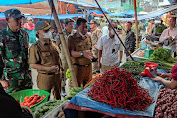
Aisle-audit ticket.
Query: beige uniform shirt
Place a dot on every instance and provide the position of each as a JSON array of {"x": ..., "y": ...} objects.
[
  {"x": 96, "y": 34},
  {"x": 77, "y": 43},
  {"x": 45, "y": 54}
]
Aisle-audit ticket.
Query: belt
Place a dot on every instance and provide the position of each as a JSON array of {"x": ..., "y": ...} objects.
[
  {"x": 81, "y": 65},
  {"x": 49, "y": 73}
]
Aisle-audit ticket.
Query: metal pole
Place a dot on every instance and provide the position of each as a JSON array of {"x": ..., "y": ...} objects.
[
  {"x": 136, "y": 23},
  {"x": 63, "y": 42},
  {"x": 113, "y": 29}
]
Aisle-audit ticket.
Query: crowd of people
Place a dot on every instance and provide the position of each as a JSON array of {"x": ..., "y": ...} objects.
[{"x": 36, "y": 46}]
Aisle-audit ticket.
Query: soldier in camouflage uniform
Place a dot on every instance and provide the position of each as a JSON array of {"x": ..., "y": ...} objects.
[
  {"x": 69, "y": 30},
  {"x": 96, "y": 34},
  {"x": 14, "y": 52}
]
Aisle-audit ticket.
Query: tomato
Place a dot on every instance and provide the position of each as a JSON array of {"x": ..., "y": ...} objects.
[
  {"x": 22, "y": 104},
  {"x": 33, "y": 102},
  {"x": 25, "y": 98},
  {"x": 44, "y": 96},
  {"x": 25, "y": 104},
  {"x": 28, "y": 100},
  {"x": 38, "y": 100},
  {"x": 31, "y": 98},
  {"x": 38, "y": 96},
  {"x": 16, "y": 100}
]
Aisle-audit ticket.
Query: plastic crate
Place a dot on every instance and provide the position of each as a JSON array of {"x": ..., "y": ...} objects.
[
  {"x": 29, "y": 92},
  {"x": 53, "y": 113}
]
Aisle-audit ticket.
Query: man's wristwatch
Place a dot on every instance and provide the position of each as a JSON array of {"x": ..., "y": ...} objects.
[{"x": 82, "y": 53}]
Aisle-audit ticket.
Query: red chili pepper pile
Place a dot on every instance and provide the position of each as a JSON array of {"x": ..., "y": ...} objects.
[
  {"x": 32, "y": 100},
  {"x": 117, "y": 87}
]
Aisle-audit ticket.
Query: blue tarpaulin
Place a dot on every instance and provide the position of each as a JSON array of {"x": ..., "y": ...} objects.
[
  {"x": 61, "y": 16},
  {"x": 15, "y": 2},
  {"x": 49, "y": 16},
  {"x": 126, "y": 13},
  {"x": 97, "y": 11},
  {"x": 151, "y": 15},
  {"x": 82, "y": 99},
  {"x": 130, "y": 12},
  {"x": 117, "y": 14}
]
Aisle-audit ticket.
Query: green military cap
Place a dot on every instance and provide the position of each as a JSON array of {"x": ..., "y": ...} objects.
[
  {"x": 13, "y": 13},
  {"x": 42, "y": 25},
  {"x": 93, "y": 22},
  {"x": 69, "y": 20}
]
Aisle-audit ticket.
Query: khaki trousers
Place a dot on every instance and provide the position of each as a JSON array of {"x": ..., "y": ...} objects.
[
  {"x": 95, "y": 64},
  {"x": 50, "y": 82},
  {"x": 103, "y": 67},
  {"x": 83, "y": 74}
]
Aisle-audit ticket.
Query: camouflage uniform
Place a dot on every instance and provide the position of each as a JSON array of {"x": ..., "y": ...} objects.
[
  {"x": 96, "y": 34},
  {"x": 14, "y": 51},
  {"x": 82, "y": 65}
]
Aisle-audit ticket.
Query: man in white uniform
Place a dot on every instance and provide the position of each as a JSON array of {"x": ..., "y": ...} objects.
[{"x": 110, "y": 50}]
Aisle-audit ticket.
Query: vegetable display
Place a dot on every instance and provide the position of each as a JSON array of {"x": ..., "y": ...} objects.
[
  {"x": 95, "y": 77},
  {"x": 46, "y": 107},
  {"x": 161, "y": 54},
  {"x": 166, "y": 106},
  {"x": 73, "y": 92},
  {"x": 32, "y": 100},
  {"x": 117, "y": 87},
  {"x": 68, "y": 74},
  {"x": 135, "y": 68}
]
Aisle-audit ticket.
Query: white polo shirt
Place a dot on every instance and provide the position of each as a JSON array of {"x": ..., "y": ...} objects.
[{"x": 110, "y": 48}]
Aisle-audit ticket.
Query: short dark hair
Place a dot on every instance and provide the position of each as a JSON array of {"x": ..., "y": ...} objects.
[
  {"x": 109, "y": 25},
  {"x": 79, "y": 20},
  {"x": 129, "y": 22},
  {"x": 68, "y": 20}
]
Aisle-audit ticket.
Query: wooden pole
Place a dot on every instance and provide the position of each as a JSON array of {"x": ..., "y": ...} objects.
[
  {"x": 136, "y": 23},
  {"x": 63, "y": 42},
  {"x": 114, "y": 29}
]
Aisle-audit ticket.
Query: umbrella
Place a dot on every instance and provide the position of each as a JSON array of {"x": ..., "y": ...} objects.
[{"x": 15, "y": 2}]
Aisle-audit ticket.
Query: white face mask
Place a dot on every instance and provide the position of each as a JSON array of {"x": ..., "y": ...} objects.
[
  {"x": 47, "y": 35},
  {"x": 112, "y": 32},
  {"x": 82, "y": 34}
]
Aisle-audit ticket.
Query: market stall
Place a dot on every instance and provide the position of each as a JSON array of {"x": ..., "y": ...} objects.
[
  {"x": 83, "y": 102},
  {"x": 163, "y": 64}
]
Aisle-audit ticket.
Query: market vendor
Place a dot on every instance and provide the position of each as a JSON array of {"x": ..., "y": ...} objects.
[
  {"x": 168, "y": 35},
  {"x": 169, "y": 83}
]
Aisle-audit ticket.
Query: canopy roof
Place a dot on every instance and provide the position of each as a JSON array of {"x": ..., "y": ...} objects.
[
  {"x": 151, "y": 15},
  {"x": 15, "y": 2},
  {"x": 49, "y": 16}
]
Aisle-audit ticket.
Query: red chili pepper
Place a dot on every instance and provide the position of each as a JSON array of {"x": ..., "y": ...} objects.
[{"x": 118, "y": 88}]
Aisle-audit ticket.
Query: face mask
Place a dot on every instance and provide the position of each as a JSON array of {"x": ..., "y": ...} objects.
[
  {"x": 47, "y": 35},
  {"x": 81, "y": 34},
  {"x": 112, "y": 32}
]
